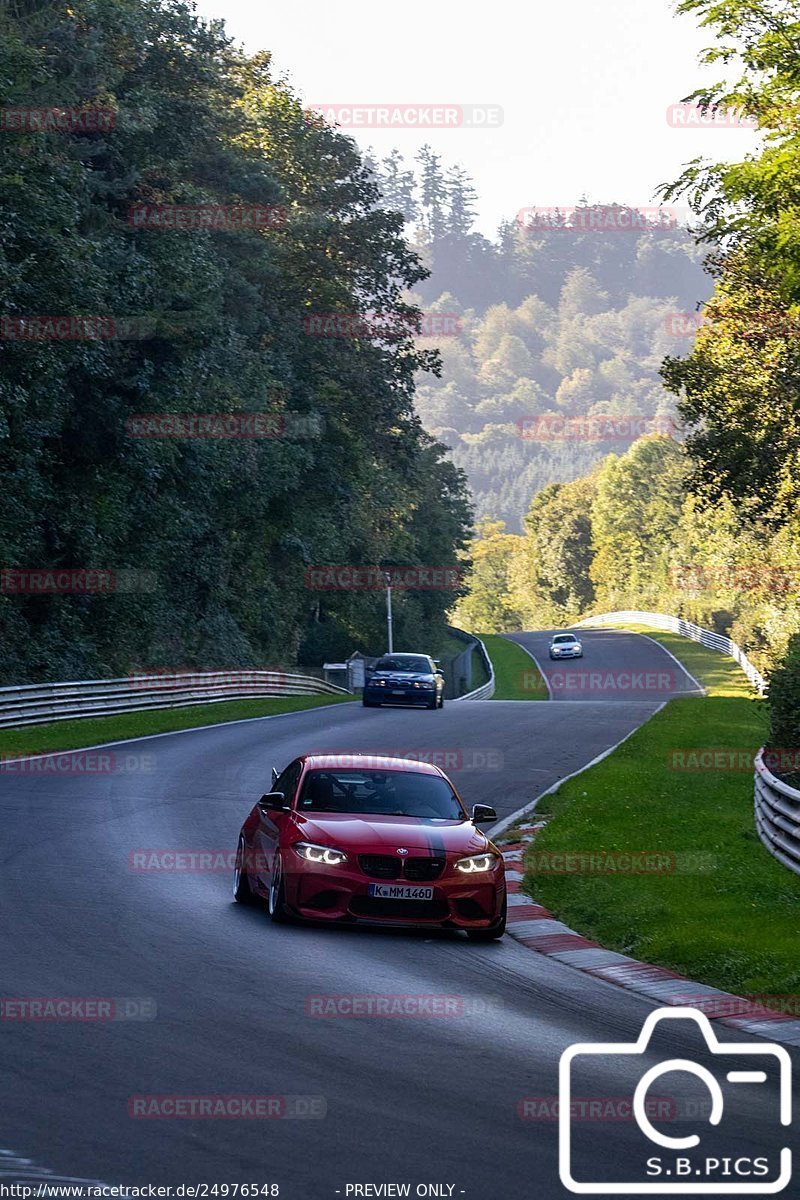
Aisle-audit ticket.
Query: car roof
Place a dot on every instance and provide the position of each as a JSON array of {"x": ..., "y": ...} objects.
[
  {"x": 573, "y": 637},
  {"x": 405, "y": 654},
  {"x": 371, "y": 762}
]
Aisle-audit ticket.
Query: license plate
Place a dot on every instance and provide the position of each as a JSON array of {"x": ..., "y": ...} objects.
[
  {"x": 398, "y": 691},
  {"x": 399, "y": 891}
]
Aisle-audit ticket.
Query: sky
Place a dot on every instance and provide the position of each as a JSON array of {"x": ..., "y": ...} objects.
[{"x": 573, "y": 94}]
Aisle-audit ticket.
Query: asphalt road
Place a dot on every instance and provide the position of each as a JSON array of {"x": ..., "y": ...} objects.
[
  {"x": 406, "y": 1100},
  {"x": 616, "y": 666}
]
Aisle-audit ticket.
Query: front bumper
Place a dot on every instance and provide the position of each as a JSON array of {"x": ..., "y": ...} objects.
[
  {"x": 566, "y": 653},
  {"x": 342, "y": 894},
  {"x": 399, "y": 695}
]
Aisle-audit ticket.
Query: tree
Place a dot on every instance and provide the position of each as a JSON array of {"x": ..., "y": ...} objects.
[
  {"x": 432, "y": 193},
  {"x": 738, "y": 389},
  {"x": 559, "y": 527},
  {"x": 635, "y": 513},
  {"x": 488, "y": 605},
  {"x": 461, "y": 201},
  {"x": 207, "y": 320}
]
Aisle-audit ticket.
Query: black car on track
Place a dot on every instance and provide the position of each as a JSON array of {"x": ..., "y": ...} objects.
[{"x": 405, "y": 679}]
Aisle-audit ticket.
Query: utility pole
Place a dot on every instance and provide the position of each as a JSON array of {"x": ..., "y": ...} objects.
[{"x": 388, "y": 578}]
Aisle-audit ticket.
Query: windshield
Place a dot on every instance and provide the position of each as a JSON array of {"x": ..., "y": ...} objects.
[
  {"x": 405, "y": 662},
  {"x": 565, "y": 637},
  {"x": 385, "y": 793}
]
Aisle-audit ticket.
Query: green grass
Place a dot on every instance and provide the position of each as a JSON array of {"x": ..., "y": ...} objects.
[
  {"x": 727, "y": 914},
  {"x": 92, "y": 731},
  {"x": 480, "y": 675},
  {"x": 516, "y": 675}
]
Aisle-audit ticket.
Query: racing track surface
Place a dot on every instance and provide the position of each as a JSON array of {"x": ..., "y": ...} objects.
[{"x": 430, "y": 1100}]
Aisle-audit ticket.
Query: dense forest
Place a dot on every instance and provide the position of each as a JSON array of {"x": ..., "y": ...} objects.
[
  {"x": 541, "y": 327},
  {"x": 172, "y": 222},
  {"x": 708, "y": 528},
  {"x": 543, "y": 330}
]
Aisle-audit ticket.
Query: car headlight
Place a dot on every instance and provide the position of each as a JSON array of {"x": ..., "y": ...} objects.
[
  {"x": 377, "y": 683},
  {"x": 424, "y": 684},
  {"x": 320, "y": 854},
  {"x": 478, "y": 862}
]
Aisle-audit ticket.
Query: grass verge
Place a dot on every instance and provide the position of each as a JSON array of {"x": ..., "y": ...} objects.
[
  {"x": 516, "y": 675},
  {"x": 93, "y": 731},
  {"x": 480, "y": 675},
  {"x": 724, "y": 912}
]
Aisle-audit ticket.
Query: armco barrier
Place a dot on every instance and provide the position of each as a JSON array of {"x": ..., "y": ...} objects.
[
  {"x": 486, "y": 690},
  {"x": 714, "y": 641},
  {"x": 35, "y": 703},
  {"x": 777, "y": 816}
]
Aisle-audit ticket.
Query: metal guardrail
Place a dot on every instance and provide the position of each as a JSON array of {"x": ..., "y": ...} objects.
[
  {"x": 777, "y": 815},
  {"x": 486, "y": 690},
  {"x": 714, "y": 641},
  {"x": 35, "y": 703}
]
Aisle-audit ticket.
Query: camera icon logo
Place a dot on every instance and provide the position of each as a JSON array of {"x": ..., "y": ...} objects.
[{"x": 684, "y": 1165}]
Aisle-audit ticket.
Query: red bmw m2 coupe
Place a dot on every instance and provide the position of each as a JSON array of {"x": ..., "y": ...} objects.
[{"x": 349, "y": 837}]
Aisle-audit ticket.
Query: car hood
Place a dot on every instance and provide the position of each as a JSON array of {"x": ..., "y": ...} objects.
[
  {"x": 403, "y": 676},
  {"x": 378, "y": 835}
]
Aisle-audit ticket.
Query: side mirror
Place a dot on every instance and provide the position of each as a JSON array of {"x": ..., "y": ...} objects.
[
  {"x": 481, "y": 813},
  {"x": 439, "y": 671},
  {"x": 272, "y": 802}
]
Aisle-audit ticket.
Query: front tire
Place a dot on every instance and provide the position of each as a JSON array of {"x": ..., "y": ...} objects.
[
  {"x": 242, "y": 892},
  {"x": 494, "y": 932},
  {"x": 276, "y": 901}
]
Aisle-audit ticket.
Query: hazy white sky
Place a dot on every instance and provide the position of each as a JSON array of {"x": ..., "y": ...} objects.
[{"x": 584, "y": 86}]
